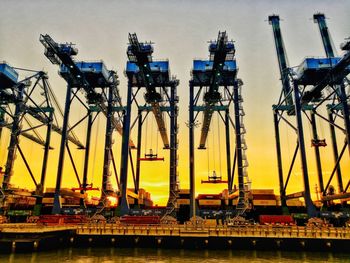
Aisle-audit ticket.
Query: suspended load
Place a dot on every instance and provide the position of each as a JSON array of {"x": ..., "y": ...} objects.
[
  {"x": 214, "y": 179},
  {"x": 151, "y": 157},
  {"x": 318, "y": 143}
]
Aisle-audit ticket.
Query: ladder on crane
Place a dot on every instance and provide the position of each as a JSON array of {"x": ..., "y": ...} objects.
[{"x": 243, "y": 205}]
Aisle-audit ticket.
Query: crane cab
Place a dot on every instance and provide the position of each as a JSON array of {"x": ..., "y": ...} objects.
[
  {"x": 312, "y": 70},
  {"x": 8, "y": 76}
]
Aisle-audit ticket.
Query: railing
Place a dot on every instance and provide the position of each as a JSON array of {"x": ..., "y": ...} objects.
[
  {"x": 249, "y": 231},
  {"x": 33, "y": 228},
  {"x": 218, "y": 231}
]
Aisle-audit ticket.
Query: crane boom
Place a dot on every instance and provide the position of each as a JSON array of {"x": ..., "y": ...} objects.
[
  {"x": 220, "y": 51},
  {"x": 141, "y": 55},
  {"x": 274, "y": 20},
  {"x": 320, "y": 19}
]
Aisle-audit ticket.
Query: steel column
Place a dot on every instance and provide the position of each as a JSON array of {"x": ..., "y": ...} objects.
[
  {"x": 241, "y": 189},
  {"x": 2, "y": 119},
  {"x": 173, "y": 148},
  {"x": 233, "y": 169},
  {"x": 132, "y": 167},
  {"x": 124, "y": 206},
  {"x": 228, "y": 150},
  {"x": 40, "y": 186},
  {"x": 86, "y": 156},
  {"x": 279, "y": 161},
  {"x": 108, "y": 141},
  {"x": 193, "y": 209},
  {"x": 335, "y": 150},
  {"x": 46, "y": 152},
  {"x": 138, "y": 151},
  {"x": 57, "y": 202},
  {"x": 317, "y": 152},
  {"x": 311, "y": 211}
]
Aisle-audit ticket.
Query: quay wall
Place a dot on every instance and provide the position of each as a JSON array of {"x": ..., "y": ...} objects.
[{"x": 18, "y": 237}]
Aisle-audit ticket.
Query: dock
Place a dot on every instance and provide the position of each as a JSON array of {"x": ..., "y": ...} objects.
[{"x": 18, "y": 237}]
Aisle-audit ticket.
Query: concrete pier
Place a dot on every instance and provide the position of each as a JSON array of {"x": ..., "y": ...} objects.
[{"x": 16, "y": 237}]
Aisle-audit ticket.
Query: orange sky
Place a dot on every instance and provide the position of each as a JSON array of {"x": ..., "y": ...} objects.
[{"x": 180, "y": 31}]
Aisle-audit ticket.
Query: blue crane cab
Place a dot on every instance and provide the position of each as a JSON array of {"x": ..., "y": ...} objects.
[
  {"x": 95, "y": 73},
  {"x": 159, "y": 70},
  {"x": 8, "y": 76},
  {"x": 312, "y": 70},
  {"x": 202, "y": 72}
]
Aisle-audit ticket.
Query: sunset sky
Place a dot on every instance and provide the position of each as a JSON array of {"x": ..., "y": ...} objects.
[{"x": 180, "y": 31}]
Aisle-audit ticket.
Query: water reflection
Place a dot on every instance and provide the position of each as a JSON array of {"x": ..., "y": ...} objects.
[{"x": 140, "y": 255}]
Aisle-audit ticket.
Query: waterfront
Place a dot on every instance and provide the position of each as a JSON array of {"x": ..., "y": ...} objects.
[{"x": 108, "y": 255}]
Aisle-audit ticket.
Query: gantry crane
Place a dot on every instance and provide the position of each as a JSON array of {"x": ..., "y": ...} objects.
[
  {"x": 100, "y": 87},
  {"x": 338, "y": 97},
  {"x": 306, "y": 83},
  {"x": 31, "y": 97},
  {"x": 217, "y": 79},
  {"x": 332, "y": 73},
  {"x": 154, "y": 76},
  {"x": 320, "y": 19},
  {"x": 285, "y": 104}
]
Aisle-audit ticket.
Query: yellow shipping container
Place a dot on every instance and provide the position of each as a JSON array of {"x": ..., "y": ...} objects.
[
  {"x": 295, "y": 203},
  {"x": 49, "y": 200},
  {"x": 265, "y": 202},
  {"x": 210, "y": 222},
  {"x": 184, "y": 192},
  {"x": 183, "y": 201},
  {"x": 262, "y": 191},
  {"x": 205, "y": 202}
]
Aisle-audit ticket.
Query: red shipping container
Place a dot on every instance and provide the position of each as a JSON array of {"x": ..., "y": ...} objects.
[
  {"x": 140, "y": 220},
  {"x": 276, "y": 219}
]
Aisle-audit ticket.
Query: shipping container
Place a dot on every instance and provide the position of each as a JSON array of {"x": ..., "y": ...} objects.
[
  {"x": 276, "y": 219},
  {"x": 205, "y": 202},
  {"x": 265, "y": 202},
  {"x": 140, "y": 220}
]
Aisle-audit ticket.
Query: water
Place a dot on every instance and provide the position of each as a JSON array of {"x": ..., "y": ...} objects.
[{"x": 138, "y": 255}]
